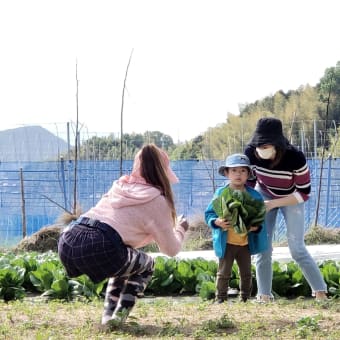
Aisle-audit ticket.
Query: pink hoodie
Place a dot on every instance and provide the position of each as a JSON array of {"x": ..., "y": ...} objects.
[{"x": 140, "y": 214}]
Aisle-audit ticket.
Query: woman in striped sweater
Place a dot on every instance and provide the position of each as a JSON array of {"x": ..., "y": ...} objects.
[{"x": 282, "y": 176}]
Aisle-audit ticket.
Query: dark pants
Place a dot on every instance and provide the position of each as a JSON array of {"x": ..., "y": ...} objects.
[
  {"x": 243, "y": 259},
  {"x": 94, "y": 249}
]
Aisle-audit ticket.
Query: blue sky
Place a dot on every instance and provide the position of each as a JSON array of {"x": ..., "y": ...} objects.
[{"x": 192, "y": 61}]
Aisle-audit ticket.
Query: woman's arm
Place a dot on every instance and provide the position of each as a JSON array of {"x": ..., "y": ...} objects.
[{"x": 281, "y": 202}]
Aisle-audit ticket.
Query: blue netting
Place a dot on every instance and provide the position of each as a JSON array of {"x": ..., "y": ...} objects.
[{"x": 48, "y": 186}]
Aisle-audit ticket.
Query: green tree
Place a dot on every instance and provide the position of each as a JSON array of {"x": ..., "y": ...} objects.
[
  {"x": 188, "y": 150},
  {"x": 329, "y": 92},
  {"x": 160, "y": 139}
]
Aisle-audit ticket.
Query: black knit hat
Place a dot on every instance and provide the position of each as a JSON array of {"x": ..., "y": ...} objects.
[{"x": 269, "y": 131}]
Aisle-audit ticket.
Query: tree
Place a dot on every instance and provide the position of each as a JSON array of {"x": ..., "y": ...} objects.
[
  {"x": 329, "y": 93},
  {"x": 160, "y": 139},
  {"x": 108, "y": 147}
]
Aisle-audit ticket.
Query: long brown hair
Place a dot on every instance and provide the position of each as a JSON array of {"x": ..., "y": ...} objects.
[{"x": 153, "y": 170}]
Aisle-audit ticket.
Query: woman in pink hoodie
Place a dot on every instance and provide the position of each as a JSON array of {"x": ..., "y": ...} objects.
[{"x": 103, "y": 243}]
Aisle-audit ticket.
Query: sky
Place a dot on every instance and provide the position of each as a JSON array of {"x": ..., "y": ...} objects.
[{"x": 192, "y": 61}]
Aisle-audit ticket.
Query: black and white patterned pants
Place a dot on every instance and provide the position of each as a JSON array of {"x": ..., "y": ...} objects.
[{"x": 122, "y": 291}]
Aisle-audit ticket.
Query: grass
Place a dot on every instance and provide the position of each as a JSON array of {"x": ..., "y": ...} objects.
[
  {"x": 172, "y": 318},
  {"x": 320, "y": 235}
]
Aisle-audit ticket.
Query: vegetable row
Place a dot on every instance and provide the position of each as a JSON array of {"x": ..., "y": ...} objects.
[{"x": 43, "y": 274}]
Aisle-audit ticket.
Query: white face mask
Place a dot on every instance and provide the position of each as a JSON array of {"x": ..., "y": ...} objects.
[{"x": 266, "y": 153}]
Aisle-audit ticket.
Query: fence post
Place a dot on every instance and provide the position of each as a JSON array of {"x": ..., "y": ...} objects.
[
  {"x": 23, "y": 208},
  {"x": 302, "y": 138},
  {"x": 315, "y": 141},
  {"x": 328, "y": 188},
  {"x": 63, "y": 180}
]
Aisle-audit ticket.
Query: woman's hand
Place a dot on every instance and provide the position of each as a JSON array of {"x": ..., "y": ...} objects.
[
  {"x": 223, "y": 224},
  {"x": 253, "y": 228},
  {"x": 183, "y": 222},
  {"x": 281, "y": 202},
  {"x": 269, "y": 205}
]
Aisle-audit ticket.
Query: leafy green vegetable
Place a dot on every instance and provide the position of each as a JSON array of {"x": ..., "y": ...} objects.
[
  {"x": 331, "y": 272},
  {"x": 240, "y": 208},
  {"x": 82, "y": 285},
  {"x": 11, "y": 279},
  {"x": 172, "y": 276},
  {"x": 281, "y": 282},
  {"x": 186, "y": 276},
  {"x": 207, "y": 290},
  {"x": 298, "y": 284},
  {"x": 163, "y": 281}
]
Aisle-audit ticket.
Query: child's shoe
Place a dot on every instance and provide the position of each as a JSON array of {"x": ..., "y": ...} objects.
[
  {"x": 105, "y": 319},
  {"x": 243, "y": 298},
  {"x": 220, "y": 300}
]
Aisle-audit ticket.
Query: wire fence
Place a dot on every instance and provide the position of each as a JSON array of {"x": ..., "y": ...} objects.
[{"x": 33, "y": 194}]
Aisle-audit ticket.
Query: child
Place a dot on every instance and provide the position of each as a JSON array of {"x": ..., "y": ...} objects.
[{"x": 228, "y": 244}]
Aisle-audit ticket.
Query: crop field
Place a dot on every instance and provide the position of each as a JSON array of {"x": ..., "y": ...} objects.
[{"x": 39, "y": 302}]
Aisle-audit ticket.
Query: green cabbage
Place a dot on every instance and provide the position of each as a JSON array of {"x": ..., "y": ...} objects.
[{"x": 240, "y": 208}]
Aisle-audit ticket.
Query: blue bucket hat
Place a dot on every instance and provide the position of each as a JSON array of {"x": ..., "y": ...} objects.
[{"x": 233, "y": 161}]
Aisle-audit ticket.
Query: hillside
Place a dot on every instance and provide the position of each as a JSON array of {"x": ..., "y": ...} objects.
[{"x": 30, "y": 143}]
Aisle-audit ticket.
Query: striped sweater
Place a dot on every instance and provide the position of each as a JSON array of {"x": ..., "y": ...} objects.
[{"x": 290, "y": 176}]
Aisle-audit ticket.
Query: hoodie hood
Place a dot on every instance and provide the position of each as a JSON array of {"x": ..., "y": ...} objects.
[{"x": 125, "y": 194}]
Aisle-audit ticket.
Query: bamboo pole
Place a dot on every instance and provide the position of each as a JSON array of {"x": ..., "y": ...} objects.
[
  {"x": 76, "y": 147},
  {"x": 121, "y": 117}
]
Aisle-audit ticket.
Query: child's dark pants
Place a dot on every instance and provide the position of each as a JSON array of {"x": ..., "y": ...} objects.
[{"x": 243, "y": 259}]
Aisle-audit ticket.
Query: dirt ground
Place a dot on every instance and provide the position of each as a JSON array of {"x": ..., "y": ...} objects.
[{"x": 173, "y": 318}]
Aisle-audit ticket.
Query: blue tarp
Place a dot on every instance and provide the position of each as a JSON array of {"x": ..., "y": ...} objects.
[{"x": 47, "y": 187}]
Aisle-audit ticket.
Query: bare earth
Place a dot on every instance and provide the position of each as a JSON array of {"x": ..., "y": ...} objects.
[{"x": 173, "y": 318}]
